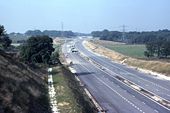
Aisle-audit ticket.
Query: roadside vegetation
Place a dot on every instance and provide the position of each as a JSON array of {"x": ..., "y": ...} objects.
[
  {"x": 65, "y": 97},
  {"x": 23, "y": 77},
  {"x": 4, "y": 39},
  {"x": 37, "y": 49},
  {"x": 71, "y": 97},
  {"x": 23, "y": 89}
]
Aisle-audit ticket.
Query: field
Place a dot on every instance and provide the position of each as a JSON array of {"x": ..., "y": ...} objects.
[{"x": 136, "y": 51}]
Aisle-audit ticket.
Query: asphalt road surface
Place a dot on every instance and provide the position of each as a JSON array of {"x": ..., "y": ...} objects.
[{"x": 111, "y": 94}]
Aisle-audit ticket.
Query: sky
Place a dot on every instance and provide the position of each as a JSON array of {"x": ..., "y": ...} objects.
[{"x": 84, "y": 15}]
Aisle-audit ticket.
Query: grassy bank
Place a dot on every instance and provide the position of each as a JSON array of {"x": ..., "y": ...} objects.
[
  {"x": 70, "y": 96},
  {"x": 65, "y": 97},
  {"x": 23, "y": 89}
]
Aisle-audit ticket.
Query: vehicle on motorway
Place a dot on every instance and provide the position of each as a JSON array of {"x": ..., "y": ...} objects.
[{"x": 73, "y": 50}]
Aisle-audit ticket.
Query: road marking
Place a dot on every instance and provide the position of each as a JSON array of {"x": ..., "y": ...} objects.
[
  {"x": 116, "y": 92},
  {"x": 143, "y": 102},
  {"x": 130, "y": 87},
  {"x": 133, "y": 96},
  {"x": 156, "y": 110},
  {"x": 133, "y": 74},
  {"x": 147, "y": 81},
  {"x": 157, "y": 90},
  {"x": 138, "y": 77}
]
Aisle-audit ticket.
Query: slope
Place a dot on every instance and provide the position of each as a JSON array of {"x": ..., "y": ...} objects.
[{"x": 22, "y": 89}]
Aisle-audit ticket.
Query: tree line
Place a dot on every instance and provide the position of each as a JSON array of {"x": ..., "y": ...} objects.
[
  {"x": 159, "y": 47},
  {"x": 51, "y": 33},
  {"x": 157, "y": 42}
]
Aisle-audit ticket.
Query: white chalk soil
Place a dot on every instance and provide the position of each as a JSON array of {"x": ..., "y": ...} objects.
[{"x": 52, "y": 93}]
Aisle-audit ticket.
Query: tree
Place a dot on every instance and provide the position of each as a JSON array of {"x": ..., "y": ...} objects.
[
  {"x": 146, "y": 53},
  {"x": 150, "y": 46},
  {"x": 157, "y": 42},
  {"x": 165, "y": 51},
  {"x": 105, "y": 34},
  {"x": 131, "y": 37},
  {"x": 51, "y": 33},
  {"x": 34, "y": 33},
  {"x": 4, "y": 39},
  {"x": 37, "y": 49},
  {"x": 159, "y": 46}
]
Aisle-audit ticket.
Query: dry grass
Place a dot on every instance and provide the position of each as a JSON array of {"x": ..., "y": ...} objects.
[
  {"x": 65, "y": 97},
  {"x": 105, "y": 42},
  {"x": 70, "y": 96},
  {"x": 156, "y": 66}
]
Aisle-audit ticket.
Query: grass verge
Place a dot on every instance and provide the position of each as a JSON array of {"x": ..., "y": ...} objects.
[
  {"x": 64, "y": 95},
  {"x": 70, "y": 96}
]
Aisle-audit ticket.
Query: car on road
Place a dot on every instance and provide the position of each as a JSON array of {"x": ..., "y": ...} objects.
[{"x": 73, "y": 50}]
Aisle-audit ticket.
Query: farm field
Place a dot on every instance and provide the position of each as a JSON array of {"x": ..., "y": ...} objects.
[{"x": 136, "y": 51}]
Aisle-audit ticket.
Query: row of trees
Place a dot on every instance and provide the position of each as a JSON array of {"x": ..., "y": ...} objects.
[
  {"x": 4, "y": 39},
  {"x": 130, "y": 37},
  {"x": 160, "y": 47},
  {"x": 157, "y": 42},
  {"x": 108, "y": 35},
  {"x": 51, "y": 33}
]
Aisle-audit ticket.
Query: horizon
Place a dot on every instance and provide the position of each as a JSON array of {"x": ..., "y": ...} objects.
[{"x": 90, "y": 32}]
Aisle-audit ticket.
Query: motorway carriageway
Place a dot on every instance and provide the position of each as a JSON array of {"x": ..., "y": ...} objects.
[{"x": 110, "y": 93}]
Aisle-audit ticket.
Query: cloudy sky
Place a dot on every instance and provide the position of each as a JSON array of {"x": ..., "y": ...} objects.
[{"x": 84, "y": 15}]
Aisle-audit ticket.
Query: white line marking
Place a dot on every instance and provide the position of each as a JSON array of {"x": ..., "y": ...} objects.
[
  {"x": 133, "y": 74},
  {"x": 156, "y": 110},
  {"x": 131, "y": 88},
  {"x": 116, "y": 92}
]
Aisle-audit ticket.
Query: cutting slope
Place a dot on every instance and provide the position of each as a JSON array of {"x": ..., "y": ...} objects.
[{"x": 22, "y": 90}]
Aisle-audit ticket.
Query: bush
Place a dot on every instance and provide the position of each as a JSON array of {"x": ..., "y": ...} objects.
[{"x": 37, "y": 49}]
